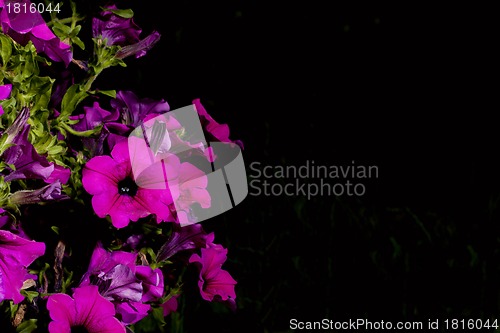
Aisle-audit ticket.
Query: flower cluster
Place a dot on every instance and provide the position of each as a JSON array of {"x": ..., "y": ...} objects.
[{"x": 94, "y": 184}]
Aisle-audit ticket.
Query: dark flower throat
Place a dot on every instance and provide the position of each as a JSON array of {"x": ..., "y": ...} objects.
[{"x": 127, "y": 187}]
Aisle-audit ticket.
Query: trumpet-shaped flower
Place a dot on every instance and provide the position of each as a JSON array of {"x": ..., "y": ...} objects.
[
  {"x": 121, "y": 196},
  {"x": 16, "y": 254},
  {"x": 87, "y": 311}
]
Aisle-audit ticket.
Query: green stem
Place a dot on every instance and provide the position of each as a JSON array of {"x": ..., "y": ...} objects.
[
  {"x": 77, "y": 133},
  {"x": 63, "y": 21}
]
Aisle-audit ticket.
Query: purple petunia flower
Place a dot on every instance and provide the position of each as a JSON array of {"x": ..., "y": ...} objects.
[
  {"x": 26, "y": 26},
  {"x": 189, "y": 237},
  {"x": 133, "y": 110},
  {"x": 214, "y": 282},
  {"x": 16, "y": 254},
  {"x": 87, "y": 311},
  {"x": 51, "y": 192},
  {"x": 128, "y": 112},
  {"x": 123, "y": 283},
  {"x": 140, "y": 48},
  {"x": 121, "y": 31},
  {"x": 112, "y": 130},
  {"x": 4, "y": 94},
  {"x": 116, "y": 29},
  {"x": 116, "y": 193},
  {"x": 27, "y": 162}
]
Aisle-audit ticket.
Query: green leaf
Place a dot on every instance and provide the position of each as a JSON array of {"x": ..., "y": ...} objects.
[
  {"x": 78, "y": 41},
  {"x": 71, "y": 99},
  {"x": 61, "y": 29},
  {"x": 30, "y": 294},
  {"x": 110, "y": 93},
  {"x": 5, "y": 48},
  {"x": 27, "y": 326},
  {"x": 125, "y": 13}
]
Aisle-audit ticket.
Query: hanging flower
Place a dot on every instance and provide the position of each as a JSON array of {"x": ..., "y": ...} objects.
[
  {"x": 214, "y": 282},
  {"x": 185, "y": 238},
  {"x": 116, "y": 29},
  {"x": 213, "y": 130},
  {"x": 16, "y": 254}
]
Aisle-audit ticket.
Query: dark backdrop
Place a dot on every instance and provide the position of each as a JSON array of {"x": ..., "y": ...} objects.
[{"x": 411, "y": 88}]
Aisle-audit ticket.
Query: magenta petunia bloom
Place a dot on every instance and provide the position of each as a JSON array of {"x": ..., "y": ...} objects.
[
  {"x": 4, "y": 94},
  {"x": 192, "y": 189},
  {"x": 26, "y": 26},
  {"x": 214, "y": 130},
  {"x": 87, "y": 311},
  {"x": 123, "y": 283},
  {"x": 16, "y": 254},
  {"x": 214, "y": 282},
  {"x": 170, "y": 305},
  {"x": 115, "y": 192},
  {"x": 152, "y": 283}
]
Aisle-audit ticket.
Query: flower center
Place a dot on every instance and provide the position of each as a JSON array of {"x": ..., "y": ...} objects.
[
  {"x": 79, "y": 329},
  {"x": 127, "y": 187}
]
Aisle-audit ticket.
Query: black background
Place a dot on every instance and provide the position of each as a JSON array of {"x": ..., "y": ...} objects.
[{"x": 409, "y": 87}]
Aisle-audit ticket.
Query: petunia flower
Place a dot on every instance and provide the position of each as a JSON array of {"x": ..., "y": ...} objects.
[
  {"x": 140, "y": 48},
  {"x": 121, "y": 31},
  {"x": 51, "y": 192},
  {"x": 60, "y": 174},
  {"x": 170, "y": 305},
  {"x": 123, "y": 283},
  {"x": 27, "y": 162},
  {"x": 214, "y": 282},
  {"x": 133, "y": 110},
  {"x": 152, "y": 283},
  {"x": 4, "y": 94},
  {"x": 117, "y": 193},
  {"x": 87, "y": 311},
  {"x": 16, "y": 254},
  {"x": 213, "y": 130},
  {"x": 192, "y": 189},
  {"x": 26, "y": 26},
  {"x": 117, "y": 30},
  {"x": 187, "y": 181},
  {"x": 185, "y": 238},
  {"x": 113, "y": 131}
]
